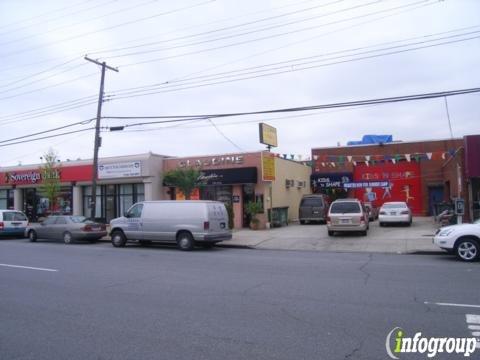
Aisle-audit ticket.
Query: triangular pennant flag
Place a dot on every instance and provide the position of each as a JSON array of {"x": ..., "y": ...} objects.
[
  {"x": 292, "y": 156},
  {"x": 429, "y": 155},
  {"x": 315, "y": 157},
  {"x": 408, "y": 157},
  {"x": 394, "y": 161},
  {"x": 284, "y": 156},
  {"x": 366, "y": 163},
  {"x": 367, "y": 157},
  {"x": 444, "y": 155},
  {"x": 354, "y": 163},
  {"x": 451, "y": 152},
  {"x": 349, "y": 157},
  {"x": 323, "y": 164},
  {"x": 333, "y": 164}
]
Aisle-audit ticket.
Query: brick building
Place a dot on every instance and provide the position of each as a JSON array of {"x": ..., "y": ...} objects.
[{"x": 425, "y": 174}]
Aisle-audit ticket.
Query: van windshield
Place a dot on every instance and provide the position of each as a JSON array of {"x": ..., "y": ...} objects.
[
  {"x": 345, "y": 208},
  {"x": 312, "y": 202}
]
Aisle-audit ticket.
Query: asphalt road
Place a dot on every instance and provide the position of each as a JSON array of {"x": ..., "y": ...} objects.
[{"x": 86, "y": 301}]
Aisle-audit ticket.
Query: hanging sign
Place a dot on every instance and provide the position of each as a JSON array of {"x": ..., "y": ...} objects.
[
  {"x": 268, "y": 135},
  {"x": 268, "y": 166},
  {"x": 119, "y": 170}
]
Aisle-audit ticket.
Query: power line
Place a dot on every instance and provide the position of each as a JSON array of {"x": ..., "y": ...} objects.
[
  {"x": 225, "y": 136},
  {"x": 107, "y": 28},
  {"x": 47, "y": 137},
  {"x": 172, "y": 88},
  {"x": 180, "y": 118},
  {"x": 84, "y": 122}
]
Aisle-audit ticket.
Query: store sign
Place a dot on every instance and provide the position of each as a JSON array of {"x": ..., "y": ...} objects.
[
  {"x": 119, "y": 170},
  {"x": 330, "y": 181},
  {"x": 366, "y": 184},
  {"x": 268, "y": 166},
  {"x": 28, "y": 177},
  {"x": 229, "y": 176},
  {"x": 212, "y": 161},
  {"x": 268, "y": 135}
]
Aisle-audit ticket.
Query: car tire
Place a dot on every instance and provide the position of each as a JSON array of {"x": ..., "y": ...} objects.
[
  {"x": 468, "y": 249},
  {"x": 67, "y": 238},
  {"x": 185, "y": 241},
  {"x": 331, "y": 233},
  {"x": 302, "y": 222},
  {"x": 381, "y": 224},
  {"x": 32, "y": 236},
  {"x": 363, "y": 233},
  {"x": 118, "y": 239}
]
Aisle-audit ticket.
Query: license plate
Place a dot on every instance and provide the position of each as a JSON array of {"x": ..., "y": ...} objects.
[
  {"x": 393, "y": 213},
  {"x": 344, "y": 221},
  {"x": 315, "y": 212}
]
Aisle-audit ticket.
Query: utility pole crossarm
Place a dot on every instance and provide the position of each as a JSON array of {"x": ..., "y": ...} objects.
[{"x": 97, "y": 141}]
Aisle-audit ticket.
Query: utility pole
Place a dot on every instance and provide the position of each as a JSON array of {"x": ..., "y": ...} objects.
[{"x": 98, "y": 139}]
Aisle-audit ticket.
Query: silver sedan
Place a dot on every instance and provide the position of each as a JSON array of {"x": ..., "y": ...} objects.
[
  {"x": 395, "y": 212},
  {"x": 66, "y": 228}
]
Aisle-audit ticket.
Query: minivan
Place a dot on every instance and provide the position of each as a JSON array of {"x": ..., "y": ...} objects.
[
  {"x": 13, "y": 222},
  {"x": 347, "y": 215},
  {"x": 313, "y": 208},
  {"x": 186, "y": 223}
]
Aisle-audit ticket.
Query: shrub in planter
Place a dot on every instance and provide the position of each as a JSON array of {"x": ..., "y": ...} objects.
[{"x": 252, "y": 209}]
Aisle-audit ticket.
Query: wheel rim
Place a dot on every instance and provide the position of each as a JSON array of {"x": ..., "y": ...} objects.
[
  {"x": 467, "y": 250},
  {"x": 184, "y": 242},
  {"x": 67, "y": 238},
  {"x": 32, "y": 235},
  {"x": 117, "y": 240}
]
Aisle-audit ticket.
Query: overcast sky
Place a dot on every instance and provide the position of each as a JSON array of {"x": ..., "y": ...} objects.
[{"x": 222, "y": 56}]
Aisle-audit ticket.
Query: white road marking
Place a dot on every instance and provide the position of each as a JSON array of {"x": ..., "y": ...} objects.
[
  {"x": 451, "y": 304},
  {"x": 474, "y": 327},
  {"x": 473, "y": 319},
  {"x": 476, "y": 333},
  {"x": 27, "y": 267}
]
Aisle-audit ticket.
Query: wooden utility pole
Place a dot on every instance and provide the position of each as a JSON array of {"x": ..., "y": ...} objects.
[{"x": 98, "y": 139}]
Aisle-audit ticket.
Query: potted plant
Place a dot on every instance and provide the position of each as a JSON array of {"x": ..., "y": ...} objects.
[{"x": 253, "y": 208}]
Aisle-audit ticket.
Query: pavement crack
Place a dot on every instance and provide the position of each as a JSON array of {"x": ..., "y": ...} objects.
[
  {"x": 247, "y": 290},
  {"x": 353, "y": 354},
  {"x": 363, "y": 267}
]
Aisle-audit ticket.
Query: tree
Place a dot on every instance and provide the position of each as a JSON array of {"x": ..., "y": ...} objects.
[
  {"x": 186, "y": 180},
  {"x": 50, "y": 186}
]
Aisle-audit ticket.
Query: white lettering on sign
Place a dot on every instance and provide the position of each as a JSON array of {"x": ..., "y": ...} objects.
[
  {"x": 119, "y": 170},
  {"x": 214, "y": 161}
]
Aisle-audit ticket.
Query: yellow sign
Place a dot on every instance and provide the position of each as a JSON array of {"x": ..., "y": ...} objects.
[
  {"x": 268, "y": 166},
  {"x": 268, "y": 135}
]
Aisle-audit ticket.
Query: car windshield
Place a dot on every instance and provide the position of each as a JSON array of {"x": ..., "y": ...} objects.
[
  {"x": 394, "y": 206},
  {"x": 345, "y": 208},
  {"x": 78, "y": 219}
]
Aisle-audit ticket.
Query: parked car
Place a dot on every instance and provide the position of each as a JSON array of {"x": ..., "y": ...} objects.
[
  {"x": 347, "y": 215},
  {"x": 372, "y": 211},
  {"x": 66, "y": 228},
  {"x": 395, "y": 213},
  {"x": 461, "y": 239},
  {"x": 313, "y": 208},
  {"x": 185, "y": 223},
  {"x": 12, "y": 222}
]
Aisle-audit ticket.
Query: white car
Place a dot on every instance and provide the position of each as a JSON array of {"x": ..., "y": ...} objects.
[
  {"x": 12, "y": 223},
  {"x": 462, "y": 239},
  {"x": 395, "y": 212}
]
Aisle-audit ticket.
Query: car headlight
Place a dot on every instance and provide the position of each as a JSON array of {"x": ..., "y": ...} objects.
[{"x": 445, "y": 232}]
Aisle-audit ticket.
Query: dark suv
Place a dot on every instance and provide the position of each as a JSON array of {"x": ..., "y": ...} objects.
[{"x": 313, "y": 208}]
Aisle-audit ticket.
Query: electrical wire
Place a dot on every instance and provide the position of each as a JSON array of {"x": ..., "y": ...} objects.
[
  {"x": 47, "y": 137},
  {"x": 225, "y": 136}
]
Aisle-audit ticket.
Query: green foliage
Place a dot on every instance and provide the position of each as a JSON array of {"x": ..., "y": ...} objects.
[
  {"x": 184, "y": 179},
  {"x": 50, "y": 186},
  {"x": 253, "y": 208},
  {"x": 231, "y": 215}
]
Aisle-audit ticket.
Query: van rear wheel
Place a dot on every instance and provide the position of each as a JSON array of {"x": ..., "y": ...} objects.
[{"x": 185, "y": 241}]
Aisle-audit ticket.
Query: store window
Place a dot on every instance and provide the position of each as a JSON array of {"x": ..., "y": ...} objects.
[
  {"x": 217, "y": 193},
  {"x": 6, "y": 199},
  {"x": 112, "y": 200}
]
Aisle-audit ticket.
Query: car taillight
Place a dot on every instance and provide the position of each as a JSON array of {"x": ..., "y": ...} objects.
[
  {"x": 206, "y": 225},
  {"x": 362, "y": 218},
  {"x": 87, "y": 228},
  {"x": 1, "y": 225},
  {"x": 405, "y": 212}
]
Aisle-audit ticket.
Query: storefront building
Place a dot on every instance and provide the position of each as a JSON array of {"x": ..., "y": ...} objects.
[
  {"x": 425, "y": 174},
  {"x": 237, "y": 179},
  {"x": 122, "y": 181}
]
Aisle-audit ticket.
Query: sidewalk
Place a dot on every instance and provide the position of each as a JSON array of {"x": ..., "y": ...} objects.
[{"x": 391, "y": 239}]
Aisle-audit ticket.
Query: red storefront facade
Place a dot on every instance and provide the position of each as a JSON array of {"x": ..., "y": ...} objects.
[{"x": 425, "y": 174}]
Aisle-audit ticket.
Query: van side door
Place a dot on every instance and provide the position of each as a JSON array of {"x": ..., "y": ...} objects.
[{"x": 134, "y": 225}]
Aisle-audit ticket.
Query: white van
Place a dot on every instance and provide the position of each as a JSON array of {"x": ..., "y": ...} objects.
[
  {"x": 185, "y": 223},
  {"x": 12, "y": 222}
]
